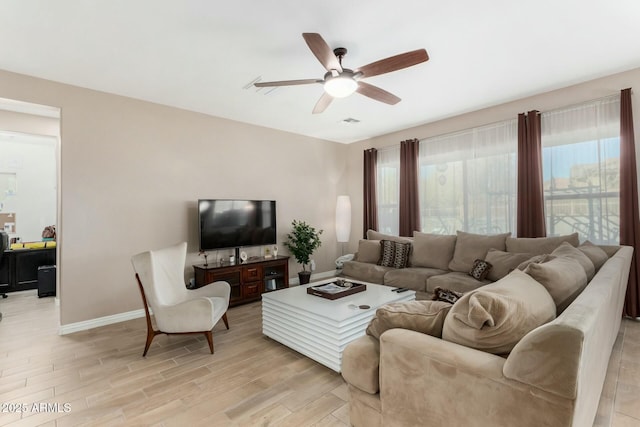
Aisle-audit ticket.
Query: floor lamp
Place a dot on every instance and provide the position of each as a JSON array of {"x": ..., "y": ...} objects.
[{"x": 343, "y": 220}]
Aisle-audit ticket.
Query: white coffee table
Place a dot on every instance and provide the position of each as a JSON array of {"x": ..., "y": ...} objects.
[{"x": 321, "y": 328}]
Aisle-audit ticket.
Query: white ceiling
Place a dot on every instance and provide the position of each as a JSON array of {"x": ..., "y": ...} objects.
[{"x": 199, "y": 54}]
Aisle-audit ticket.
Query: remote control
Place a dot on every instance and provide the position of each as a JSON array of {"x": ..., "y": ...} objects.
[{"x": 402, "y": 290}]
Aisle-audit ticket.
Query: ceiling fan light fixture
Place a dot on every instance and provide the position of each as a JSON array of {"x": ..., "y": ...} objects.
[{"x": 340, "y": 87}]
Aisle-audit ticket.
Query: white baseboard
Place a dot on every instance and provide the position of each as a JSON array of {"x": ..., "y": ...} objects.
[
  {"x": 100, "y": 321},
  {"x": 314, "y": 276},
  {"x": 123, "y": 317}
]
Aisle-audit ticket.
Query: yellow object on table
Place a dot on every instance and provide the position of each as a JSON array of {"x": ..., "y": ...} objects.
[{"x": 33, "y": 245}]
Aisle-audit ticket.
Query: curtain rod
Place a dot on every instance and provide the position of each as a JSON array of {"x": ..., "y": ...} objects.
[
  {"x": 579, "y": 104},
  {"x": 392, "y": 147}
]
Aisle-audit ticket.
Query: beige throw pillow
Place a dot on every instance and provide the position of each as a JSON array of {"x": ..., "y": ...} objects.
[
  {"x": 536, "y": 259},
  {"x": 376, "y": 235},
  {"x": 369, "y": 251},
  {"x": 470, "y": 247},
  {"x": 432, "y": 250},
  {"x": 495, "y": 317},
  {"x": 420, "y": 316},
  {"x": 563, "y": 277},
  {"x": 539, "y": 245},
  {"x": 503, "y": 263},
  {"x": 568, "y": 251},
  {"x": 595, "y": 253}
]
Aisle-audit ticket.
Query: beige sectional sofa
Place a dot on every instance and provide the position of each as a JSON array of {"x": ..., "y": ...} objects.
[
  {"x": 551, "y": 374},
  {"x": 445, "y": 260}
]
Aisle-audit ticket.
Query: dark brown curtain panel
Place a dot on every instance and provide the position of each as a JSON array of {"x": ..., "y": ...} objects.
[
  {"x": 370, "y": 205},
  {"x": 530, "y": 211},
  {"x": 409, "y": 204},
  {"x": 629, "y": 215}
]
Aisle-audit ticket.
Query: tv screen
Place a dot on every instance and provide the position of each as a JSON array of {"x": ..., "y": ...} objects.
[{"x": 236, "y": 223}]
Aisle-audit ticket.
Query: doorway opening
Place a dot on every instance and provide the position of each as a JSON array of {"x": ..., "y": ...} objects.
[{"x": 30, "y": 146}]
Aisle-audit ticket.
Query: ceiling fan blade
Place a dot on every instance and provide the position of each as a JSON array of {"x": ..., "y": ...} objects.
[
  {"x": 322, "y": 51},
  {"x": 374, "y": 92},
  {"x": 322, "y": 103},
  {"x": 393, "y": 63},
  {"x": 287, "y": 83}
]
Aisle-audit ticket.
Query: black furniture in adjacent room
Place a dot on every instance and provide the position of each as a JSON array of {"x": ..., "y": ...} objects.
[
  {"x": 46, "y": 281},
  {"x": 4, "y": 244},
  {"x": 19, "y": 268}
]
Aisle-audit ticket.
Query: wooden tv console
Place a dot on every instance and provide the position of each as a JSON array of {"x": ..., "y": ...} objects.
[{"x": 248, "y": 280}]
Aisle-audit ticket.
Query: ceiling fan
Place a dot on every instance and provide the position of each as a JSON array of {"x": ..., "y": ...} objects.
[{"x": 341, "y": 82}]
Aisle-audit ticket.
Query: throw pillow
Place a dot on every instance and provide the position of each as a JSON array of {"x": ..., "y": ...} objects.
[
  {"x": 536, "y": 259},
  {"x": 376, "y": 235},
  {"x": 480, "y": 269},
  {"x": 568, "y": 251},
  {"x": 539, "y": 245},
  {"x": 495, "y": 317},
  {"x": 394, "y": 254},
  {"x": 563, "y": 277},
  {"x": 446, "y": 295},
  {"x": 432, "y": 250},
  {"x": 470, "y": 247},
  {"x": 503, "y": 263},
  {"x": 369, "y": 251},
  {"x": 420, "y": 316},
  {"x": 595, "y": 253}
]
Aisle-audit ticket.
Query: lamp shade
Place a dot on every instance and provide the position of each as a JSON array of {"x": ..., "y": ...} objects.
[
  {"x": 340, "y": 87},
  {"x": 343, "y": 219}
]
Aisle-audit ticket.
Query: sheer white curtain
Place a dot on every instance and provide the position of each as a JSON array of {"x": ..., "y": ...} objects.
[
  {"x": 388, "y": 190},
  {"x": 581, "y": 170},
  {"x": 468, "y": 180}
]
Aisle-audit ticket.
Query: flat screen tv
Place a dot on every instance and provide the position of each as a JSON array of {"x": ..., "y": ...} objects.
[{"x": 235, "y": 223}]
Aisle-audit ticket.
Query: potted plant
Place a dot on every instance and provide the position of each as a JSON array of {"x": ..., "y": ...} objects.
[{"x": 301, "y": 242}]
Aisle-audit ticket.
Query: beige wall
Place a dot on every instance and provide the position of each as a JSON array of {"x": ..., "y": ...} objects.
[
  {"x": 542, "y": 102},
  {"x": 131, "y": 173},
  {"x": 28, "y": 123}
]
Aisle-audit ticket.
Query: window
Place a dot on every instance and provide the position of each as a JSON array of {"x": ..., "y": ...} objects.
[
  {"x": 581, "y": 170},
  {"x": 388, "y": 190},
  {"x": 468, "y": 180}
]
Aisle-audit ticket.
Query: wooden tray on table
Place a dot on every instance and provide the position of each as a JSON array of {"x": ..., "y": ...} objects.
[{"x": 337, "y": 289}]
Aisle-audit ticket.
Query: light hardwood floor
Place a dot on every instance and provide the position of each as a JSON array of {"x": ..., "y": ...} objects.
[{"x": 250, "y": 380}]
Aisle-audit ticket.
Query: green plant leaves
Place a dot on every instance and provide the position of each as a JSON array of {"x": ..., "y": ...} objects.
[{"x": 302, "y": 241}]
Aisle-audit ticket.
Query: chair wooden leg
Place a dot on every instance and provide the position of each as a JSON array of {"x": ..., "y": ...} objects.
[
  {"x": 150, "y": 335},
  {"x": 224, "y": 319},
  {"x": 209, "y": 336}
]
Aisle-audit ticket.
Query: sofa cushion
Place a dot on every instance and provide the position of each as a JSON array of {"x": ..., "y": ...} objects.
[
  {"x": 412, "y": 278},
  {"x": 503, "y": 263},
  {"x": 394, "y": 254},
  {"x": 610, "y": 250},
  {"x": 456, "y": 281},
  {"x": 564, "y": 278},
  {"x": 536, "y": 259},
  {"x": 376, "y": 235},
  {"x": 495, "y": 317},
  {"x": 595, "y": 253},
  {"x": 470, "y": 247},
  {"x": 432, "y": 250},
  {"x": 420, "y": 316},
  {"x": 568, "y": 251},
  {"x": 369, "y": 251},
  {"x": 539, "y": 245},
  {"x": 360, "y": 364},
  {"x": 365, "y": 271}
]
